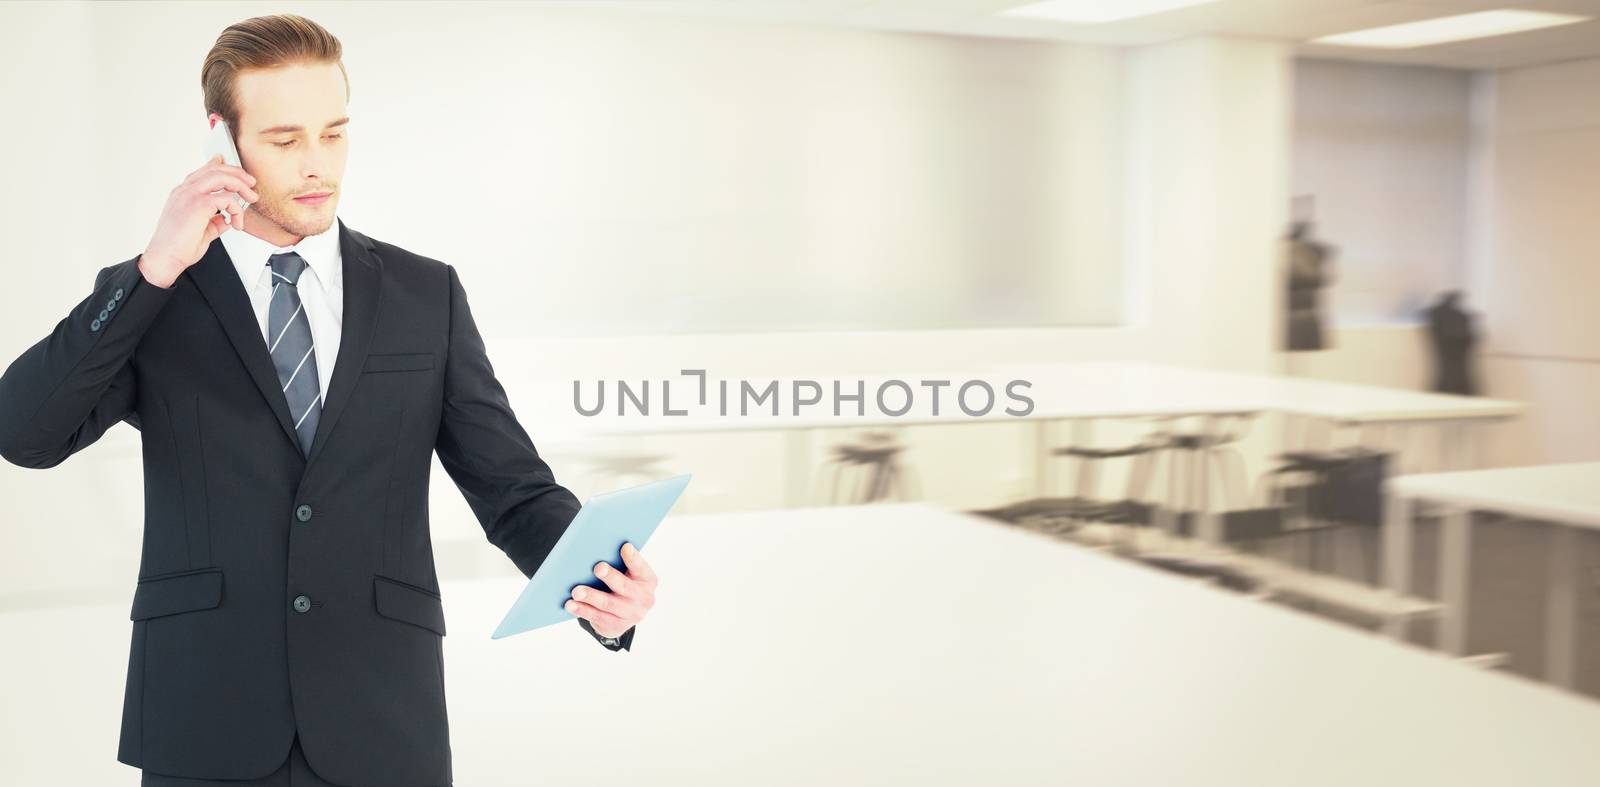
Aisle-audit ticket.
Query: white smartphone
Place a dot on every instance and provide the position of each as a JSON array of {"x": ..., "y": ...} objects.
[{"x": 220, "y": 140}]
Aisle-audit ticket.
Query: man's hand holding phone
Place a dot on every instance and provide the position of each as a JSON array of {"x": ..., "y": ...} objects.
[{"x": 197, "y": 212}]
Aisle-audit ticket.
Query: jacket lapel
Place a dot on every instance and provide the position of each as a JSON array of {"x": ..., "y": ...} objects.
[
  {"x": 217, "y": 280},
  {"x": 363, "y": 292}
]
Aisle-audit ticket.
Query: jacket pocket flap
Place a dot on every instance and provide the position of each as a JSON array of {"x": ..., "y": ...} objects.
[
  {"x": 408, "y": 603},
  {"x": 171, "y": 594},
  {"x": 397, "y": 362}
]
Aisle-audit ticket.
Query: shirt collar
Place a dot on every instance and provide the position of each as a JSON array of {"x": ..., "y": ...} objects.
[{"x": 321, "y": 253}]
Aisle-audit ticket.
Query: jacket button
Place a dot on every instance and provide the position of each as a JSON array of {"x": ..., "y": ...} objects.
[
  {"x": 303, "y": 513},
  {"x": 94, "y": 326},
  {"x": 117, "y": 294},
  {"x": 104, "y": 315},
  {"x": 111, "y": 305},
  {"x": 302, "y": 603}
]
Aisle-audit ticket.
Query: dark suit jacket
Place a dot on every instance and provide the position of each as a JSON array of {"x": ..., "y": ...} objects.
[{"x": 278, "y": 592}]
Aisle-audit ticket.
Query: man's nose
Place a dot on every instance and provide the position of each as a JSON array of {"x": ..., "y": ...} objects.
[{"x": 313, "y": 163}]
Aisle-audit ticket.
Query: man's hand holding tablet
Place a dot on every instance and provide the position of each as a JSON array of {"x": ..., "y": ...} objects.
[
  {"x": 564, "y": 586},
  {"x": 632, "y": 595}
]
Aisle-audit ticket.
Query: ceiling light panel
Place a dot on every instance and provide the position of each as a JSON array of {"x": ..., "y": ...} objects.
[
  {"x": 1089, "y": 12},
  {"x": 1446, "y": 29}
]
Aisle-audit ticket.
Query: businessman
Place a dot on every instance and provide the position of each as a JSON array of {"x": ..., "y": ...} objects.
[{"x": 291, "y": 379}]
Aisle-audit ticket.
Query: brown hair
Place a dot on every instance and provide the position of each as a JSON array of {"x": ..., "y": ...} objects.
[{"x": 263, "y": 42}]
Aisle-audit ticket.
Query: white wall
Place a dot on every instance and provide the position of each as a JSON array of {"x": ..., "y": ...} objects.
[
  {"x": 1384, "y": 151},
  {"x": 1385, "y": 154},
  {"x": 1428, "y": 179},
  {"x": 671, "y": 175},
  {"x": 1207, "y": 129},
  {"x": 1536, "y": 267},
  {"x": 1523, "y": 228},
  {"x": 695, "y": 176}
]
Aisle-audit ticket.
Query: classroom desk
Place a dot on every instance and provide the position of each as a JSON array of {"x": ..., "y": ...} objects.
[
  {"x": 897, "y": 644},
  {"x": 1072, "y": 392},
  {"x": 1565, "y": 495},
  {"x": 1338, "y": 404}
]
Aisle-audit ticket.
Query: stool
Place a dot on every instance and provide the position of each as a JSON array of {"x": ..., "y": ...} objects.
[
  {"x": 1191, "y": 457},
  {"x": 875, "y": 464},
  {"x": 1337, "y": 493},
  {"x": 1063, "y": 515},
  {"x": 609, "y": 469}
]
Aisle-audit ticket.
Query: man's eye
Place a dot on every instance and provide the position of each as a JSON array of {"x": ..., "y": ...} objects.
[
  {"x": 284, "y": 144},
  {"x": 335, "y": 136}
]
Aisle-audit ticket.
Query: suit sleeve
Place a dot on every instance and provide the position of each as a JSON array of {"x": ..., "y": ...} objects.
[
  {"x": 511, "y": 490},
  {"x": 624, "y": 642},
  {"x": 65, "y": 391}
]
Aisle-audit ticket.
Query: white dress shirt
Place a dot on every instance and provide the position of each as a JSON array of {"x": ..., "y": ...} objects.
[{"x": 321, "y": 288}]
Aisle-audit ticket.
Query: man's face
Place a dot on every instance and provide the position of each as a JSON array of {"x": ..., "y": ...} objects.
[{"x": 292, "y": 136}]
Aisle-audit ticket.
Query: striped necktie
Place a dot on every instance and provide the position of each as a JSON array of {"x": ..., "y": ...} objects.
[{"x": 293, "y": 355}]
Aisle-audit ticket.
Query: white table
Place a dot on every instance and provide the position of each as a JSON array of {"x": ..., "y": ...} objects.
[
  {"x": 897, "y": 644},
  {"x": 1144, "y": 386},
  {"x": 1161, "y": 388},
  {"x": 1075, "y": 392},
  {"x": 1565, "y": 495}
]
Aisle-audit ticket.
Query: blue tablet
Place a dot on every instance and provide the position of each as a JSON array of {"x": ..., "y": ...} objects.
[{"x": 597, "y": 533}]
